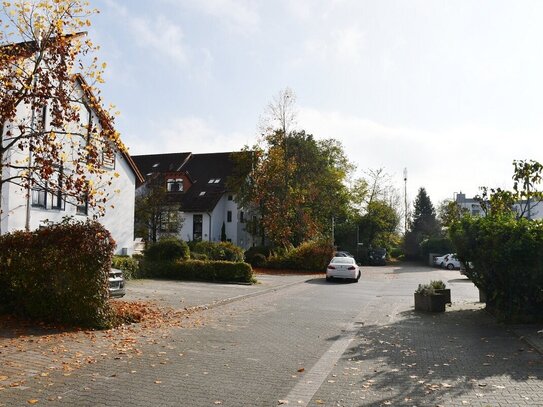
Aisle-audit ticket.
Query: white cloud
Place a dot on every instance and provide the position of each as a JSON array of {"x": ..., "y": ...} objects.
[
  {"x": 443, "y": 161},
  {"x": 188, "y": 134},
  {"x": 343, "y": 46},
  {"x": 238, "y": 15},
  {"x": 160, "y": 35}
]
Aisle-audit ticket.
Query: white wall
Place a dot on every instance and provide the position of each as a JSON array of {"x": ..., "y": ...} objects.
[{"x": 119, "y": 213}]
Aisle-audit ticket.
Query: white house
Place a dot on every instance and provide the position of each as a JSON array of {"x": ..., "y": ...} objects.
[
  {"x": 473, "y": 207},
  {"x": 44, "y": 204},
  {"x": 197, "y": 191}
]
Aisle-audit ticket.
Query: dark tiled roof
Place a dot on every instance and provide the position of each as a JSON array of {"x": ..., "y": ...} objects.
[
  {"x": 203, "y": 195},
  {"x": 166, "y": 162}
]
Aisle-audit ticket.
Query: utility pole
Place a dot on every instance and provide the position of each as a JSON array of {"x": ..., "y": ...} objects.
[{"x": 405, "y": 200}]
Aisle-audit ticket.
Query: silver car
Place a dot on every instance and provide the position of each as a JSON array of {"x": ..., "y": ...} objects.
[{"x": 116, "y": 283}]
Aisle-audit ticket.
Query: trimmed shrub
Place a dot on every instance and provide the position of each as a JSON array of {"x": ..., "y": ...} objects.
[
  {"x": 504, "y": 258},
  {"x": 198, "y": 256},
  {"x": 218, "y": 250},
  {"x": 58, "y": 274},
  {"x": 128, "y": 265},
  {"x": 256, "y": 253},
  {"x": 200, "y": 270},
  {"x": 309, "y": 256},
  {"x": 167, "y": 249}
]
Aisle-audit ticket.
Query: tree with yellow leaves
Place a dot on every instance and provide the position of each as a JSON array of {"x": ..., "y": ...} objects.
[{"x": 55, "y": 134}]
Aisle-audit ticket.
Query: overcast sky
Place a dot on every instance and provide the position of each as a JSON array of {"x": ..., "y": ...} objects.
[{"x": 451, "y": 90}]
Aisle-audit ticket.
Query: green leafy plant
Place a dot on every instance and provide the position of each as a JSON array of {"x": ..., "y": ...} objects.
[
  {"x": 312, "y": 255},
  {"x": 218, "y": 250},
  {"x": 438, "y": 285},
  {"x": 58, "y": 273},
  {"x": 128, "y": 265},
  {"x": 167, "y": 249},
  {"x": 201, "y": 270},
  {"x": 425, "y": 289}
]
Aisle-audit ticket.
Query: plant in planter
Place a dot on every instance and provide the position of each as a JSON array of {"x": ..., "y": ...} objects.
[
  {"x": 440, "y": 288},
  {"x": 426, "y": 299}
]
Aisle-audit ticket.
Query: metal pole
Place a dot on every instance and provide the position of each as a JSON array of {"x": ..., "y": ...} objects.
[{"x": 405, "y": 199}]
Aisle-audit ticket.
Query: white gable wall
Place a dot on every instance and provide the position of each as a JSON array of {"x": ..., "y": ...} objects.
[{"x": 119, "y": 219}]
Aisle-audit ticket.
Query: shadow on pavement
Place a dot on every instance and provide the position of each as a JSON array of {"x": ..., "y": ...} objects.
[
  {"x": 435, "y": 356},
  {"x": 322, "y": 281}
]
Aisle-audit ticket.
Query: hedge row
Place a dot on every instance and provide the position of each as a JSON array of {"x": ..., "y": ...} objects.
[
  {"x": 504, "y": 258},
  {"x": 58, "y": 274},
  {"x": 199, "y": 270},
  {"x": 309, "y": 256},
  {"x": 129, "y": 265},
  {"x": 216, "y": 251}
]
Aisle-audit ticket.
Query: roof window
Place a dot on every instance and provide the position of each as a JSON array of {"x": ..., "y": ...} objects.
[
  {"x": 214, "y": 181},
  {"x": 156, "y": 165},
  {"x": 202, "y": 193}
]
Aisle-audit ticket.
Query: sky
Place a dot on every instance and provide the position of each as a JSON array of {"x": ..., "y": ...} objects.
[{"x": 451, "y": 90}]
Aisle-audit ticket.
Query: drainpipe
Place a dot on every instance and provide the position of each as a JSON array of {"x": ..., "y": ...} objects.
[{"x": 209, "y": 236}]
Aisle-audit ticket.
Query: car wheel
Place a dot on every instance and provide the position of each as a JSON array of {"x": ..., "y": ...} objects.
[
  {"x": 441, "y": 265},
  {"x": 450, "y": 266},
  {"x": 359, "y": 275},
  {"x": 328, "y": 278}
]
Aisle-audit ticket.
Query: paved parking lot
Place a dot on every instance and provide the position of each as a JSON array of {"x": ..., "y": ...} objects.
[{"x": 293, "y": 340}]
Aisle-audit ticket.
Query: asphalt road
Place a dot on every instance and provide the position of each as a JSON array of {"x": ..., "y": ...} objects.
[{"x": 298, "y": 341}]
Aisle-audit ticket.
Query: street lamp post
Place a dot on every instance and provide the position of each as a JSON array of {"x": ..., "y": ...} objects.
[{"x": 405, "y": 199}]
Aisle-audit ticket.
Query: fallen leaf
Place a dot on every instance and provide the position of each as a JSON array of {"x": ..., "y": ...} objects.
[
  {"x": 3, "y": 378},
  {"x": 301, "y": 369},
  {"x": 282, "y": 401},
  {"x": 32, "y": 401},
  {"x": 157, "y": 382}
]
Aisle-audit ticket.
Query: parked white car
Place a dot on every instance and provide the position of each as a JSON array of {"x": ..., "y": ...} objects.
[
  {"x": 452, "y": 262},
  {"x": 343, "y": 267},
  {"x": 440, "y": 261}
]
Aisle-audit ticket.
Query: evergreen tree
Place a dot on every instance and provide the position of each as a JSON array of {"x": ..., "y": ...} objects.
[{"x": 424, "y": 225}]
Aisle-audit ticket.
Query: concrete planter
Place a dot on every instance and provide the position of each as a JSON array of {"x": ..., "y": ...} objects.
[
  {"x": 446, "y": 293},
  {"x": 430, "y": 303}
]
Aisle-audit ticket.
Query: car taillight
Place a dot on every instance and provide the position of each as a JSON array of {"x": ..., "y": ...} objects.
[
  {"x": 331, "y": 267},
  {"x": 352, "y": 268}
]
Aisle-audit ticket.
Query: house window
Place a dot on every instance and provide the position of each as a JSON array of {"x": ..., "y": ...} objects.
[
  {"x": 197, "y": 221},
  {"x": 230, "y": 197},
  {"x": 241, "y": 217},
  {"x": 39, "y": 197},
  {"x": 57, "y": 197},
  {"x": 169, "y": 221},
  {"x": 202, "y": 193},
  {"x": 175, "y": 185},
  {"x": 82, "y": 207},
  {"x": 229, "y": 216},
  {"x": 214, "y": 181},
  {"x": 108, "y": 158}
]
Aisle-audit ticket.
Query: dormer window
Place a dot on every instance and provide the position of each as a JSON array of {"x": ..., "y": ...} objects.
[{"x": 174, "y": 185}]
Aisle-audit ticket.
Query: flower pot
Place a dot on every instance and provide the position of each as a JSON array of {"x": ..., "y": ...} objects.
[
  {"x": 430, "y": 303},
  {"x": 446, "y": 293}
]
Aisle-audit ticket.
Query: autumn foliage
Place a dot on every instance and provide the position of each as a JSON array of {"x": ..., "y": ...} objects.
[{"x": 58, "y": 274}]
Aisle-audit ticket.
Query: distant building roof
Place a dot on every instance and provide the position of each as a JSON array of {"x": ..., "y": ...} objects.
[{"x": 208, "y": 173}]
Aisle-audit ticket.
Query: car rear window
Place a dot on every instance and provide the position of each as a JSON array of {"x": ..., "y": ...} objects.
[{"x": 343, "y": 260}]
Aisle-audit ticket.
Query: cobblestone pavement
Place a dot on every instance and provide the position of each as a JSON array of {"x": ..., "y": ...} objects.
[{"x": 311, "y": 343}]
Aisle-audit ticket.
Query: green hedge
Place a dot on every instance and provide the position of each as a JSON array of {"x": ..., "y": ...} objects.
[
  {"x": 309, "y": 256},
  {"x": 167, "y": 249},
  {"x": 128, "y": 265},
  {"x": 256, "y": 255},
  {"x": 217, "y": 250},
  {"x": 504, "y": 258},
  {"x": 200, "y": 270},
  {"x": 58, "y": 274}
]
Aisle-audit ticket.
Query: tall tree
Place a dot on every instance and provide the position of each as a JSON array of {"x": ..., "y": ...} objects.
[
  {"x": 47, "y": 93},
  {"x": 155, "y": 215},
  {"x": 423, "y": 225},
  {"x": 294, "y": 182}
]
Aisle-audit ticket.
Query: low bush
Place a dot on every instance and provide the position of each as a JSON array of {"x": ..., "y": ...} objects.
[
  {"x": 128, "y": 265},
  {"x": 504, "y": 258},
  {"x": 218, "y": 250},
  {"x": 396, "y": 252},
  {"x": 198, "y": 256},
  {"x": 255, "y": 254},
  {"x": 58, "y": 274},
  {"x": 224, "y": 271},
  {"x": 167, "y": 249},
  {"x": 309, "y": 256}
]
